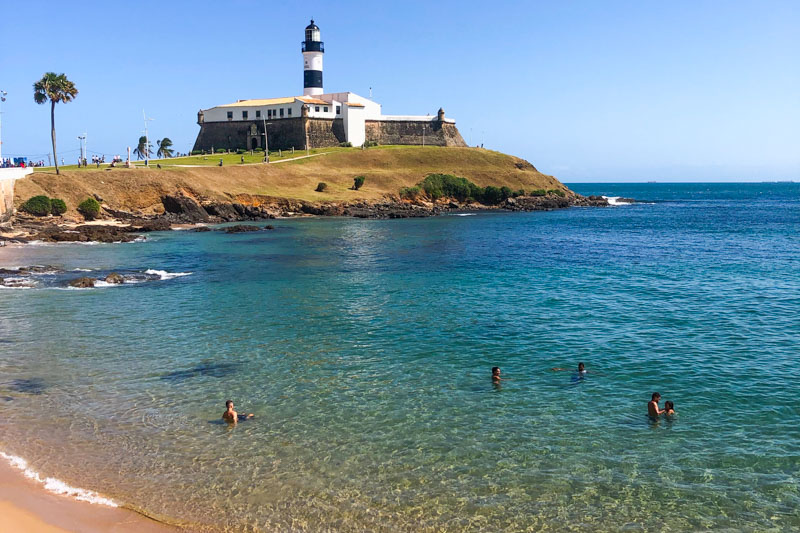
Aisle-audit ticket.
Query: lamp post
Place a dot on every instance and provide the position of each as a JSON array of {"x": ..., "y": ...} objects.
[
  {"x": 3, "y": 95},
  {"x": 82, "y": 139},
  {"x": 266, "y": 141},
  {"x": 146, "y": 140}
]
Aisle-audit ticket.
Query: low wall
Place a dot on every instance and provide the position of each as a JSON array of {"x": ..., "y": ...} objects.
[
  {"x": 284, "y": 134},
  {"x": 414, "y": 132},
  {"x": 7, "y": 178}
]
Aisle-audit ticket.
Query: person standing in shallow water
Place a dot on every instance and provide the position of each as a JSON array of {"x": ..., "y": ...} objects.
[
  {"x": 231, "y": 416},
  {"x": 496, "y": 374},
  {"x": 652, "y": 407}
]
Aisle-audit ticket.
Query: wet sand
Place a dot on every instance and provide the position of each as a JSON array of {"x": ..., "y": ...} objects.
[{"x": 27, "y": 507}]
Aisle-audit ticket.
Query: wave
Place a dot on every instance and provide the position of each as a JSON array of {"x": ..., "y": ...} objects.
[
  {"x": 614, "y": 200},
  {"x": 163, "y": 274},
  {"x": 463, "y": 214},
  {"x": 56, "y": 486}
]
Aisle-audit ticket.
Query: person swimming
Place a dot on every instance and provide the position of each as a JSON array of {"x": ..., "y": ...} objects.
[
  {"x": 496, "y": 374},
  {"x": 231, "y": 416},
  {"x": 669, "y": 408},
  {"x": 652, "y": 407},
  {"x": 581, "y": 369}
]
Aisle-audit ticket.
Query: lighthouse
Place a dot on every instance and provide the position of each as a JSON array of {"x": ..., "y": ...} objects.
[{"x": 313, "y": 49}]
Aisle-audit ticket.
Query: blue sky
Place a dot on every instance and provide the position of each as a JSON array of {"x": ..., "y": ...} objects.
[{"x": 585, "y": 90}]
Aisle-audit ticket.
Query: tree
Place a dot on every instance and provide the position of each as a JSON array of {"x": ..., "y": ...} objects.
[
  {"x": 55, "y": 88},
  {"x": 164, "y": 147},
  {"x": 142, "y": 151}
]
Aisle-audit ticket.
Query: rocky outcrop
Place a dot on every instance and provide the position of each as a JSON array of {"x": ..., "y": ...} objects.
[
  {"x": 87, "y": 233},
  {"x": 82, "y": 283},
  {"x": 184, "y": 209},
  {"x": 241, "y": 228},
  {"x": 115, "y": 278},
  {"x": 552, "y": 201}
]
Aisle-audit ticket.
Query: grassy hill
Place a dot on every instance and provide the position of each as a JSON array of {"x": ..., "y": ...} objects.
[{"x": 386, "y": 168}]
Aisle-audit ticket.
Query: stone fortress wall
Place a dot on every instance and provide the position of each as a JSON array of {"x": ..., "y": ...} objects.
[
  {"x": 288, "y": 133},
  {"x": 7, "y": 178}
]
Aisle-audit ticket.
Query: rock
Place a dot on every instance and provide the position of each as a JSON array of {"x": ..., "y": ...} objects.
[
  {"x": 152, "y": 224},
  {"x": 98, "y": 197},
  {"x": 239, "y": 208},
  {"x": 222, "y": 210},
  {"x": 622, "y": 200},
  {"x": 115, "y": 278},
  {"x": 86, "y": 233},
  {"x": 82, "y": 283},
  {"x": 241, "y": 228},
  {"x": 200, "y": 229},
  {"x": 185, "y": 208},
  {"x": 269, "y": 227}
]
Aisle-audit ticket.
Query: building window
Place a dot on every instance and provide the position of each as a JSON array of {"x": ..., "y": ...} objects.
[
  {"x": 289, "y": 111},
  {"x": 338, "y": 110},
  {"x": 325, "y": 109},
  {"x": 258, "y": 113},
  {"x": 281, "y": 112},
  {"x": 316, "y": 108},
  {"x": 244, "y": 115},
  {"x": 230, "y": 115}
]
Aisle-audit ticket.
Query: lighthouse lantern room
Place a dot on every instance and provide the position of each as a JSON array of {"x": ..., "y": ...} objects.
[{"x": 313, "y": 49}]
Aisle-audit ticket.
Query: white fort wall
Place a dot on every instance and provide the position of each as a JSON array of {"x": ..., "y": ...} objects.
[{"x": 7, "y": 178}]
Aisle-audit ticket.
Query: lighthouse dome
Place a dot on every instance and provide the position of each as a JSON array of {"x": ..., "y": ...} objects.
[{"x": 312, "y": 26}]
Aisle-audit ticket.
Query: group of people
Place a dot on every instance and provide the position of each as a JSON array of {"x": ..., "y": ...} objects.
[
  {"x": 653, "y": 409},
  {"x": 20, "y": 162}
]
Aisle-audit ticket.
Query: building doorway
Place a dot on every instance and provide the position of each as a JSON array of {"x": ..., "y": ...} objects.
[{"x": 254, "y": 143}]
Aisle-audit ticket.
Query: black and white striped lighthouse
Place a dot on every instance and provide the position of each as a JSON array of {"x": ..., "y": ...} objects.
[{"x": 313, "y": 49}]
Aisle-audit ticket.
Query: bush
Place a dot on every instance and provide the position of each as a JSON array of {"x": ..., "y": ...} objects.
[
  {"x": 241, "y": 151},
  {"x": 518, "y": 193},
  {"x": 538, "y": 192},
  {"x": 58, "y": 207},
  {"x": 557, "y": 192},
  {"x": 369, "y": 144},
  {"x": 89, "y": 208},
  {"x": 197, "y": 152},
  {"x": 220, "y": 150},
  {"x": 358, "y": 182},
  {"x": 506, "y": 192},
  {"x": 410, "y": 193},
  {"x": 259, "y": 150},
  {"x": 492, "y": 195},
  {"x": 321, "y": 186},
  {"x": 38, "y": 205},
  {"x": 446, "y": 185},
  {"x": 347, "y": 144}
]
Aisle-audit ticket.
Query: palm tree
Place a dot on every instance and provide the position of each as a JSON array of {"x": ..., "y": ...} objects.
[
  {"x": 164, "y": 147},
  {"x": 143, "y": 151},
  {"x": 55, "y": 88}
]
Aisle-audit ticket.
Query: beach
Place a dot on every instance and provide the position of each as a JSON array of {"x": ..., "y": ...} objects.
[{"x": 25, "y": 506}]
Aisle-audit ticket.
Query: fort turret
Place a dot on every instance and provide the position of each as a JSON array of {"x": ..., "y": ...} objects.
[{"x": 313, "y": 49}]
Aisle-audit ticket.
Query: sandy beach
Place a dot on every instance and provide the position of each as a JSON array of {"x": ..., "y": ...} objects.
[{"x": 26, "y": 507}]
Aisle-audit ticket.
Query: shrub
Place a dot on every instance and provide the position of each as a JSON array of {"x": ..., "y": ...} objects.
[
  {"x": 37, "y": 205},
  {"x": 410, "y": 193},
  {"x": 520, "y": 192},
  {"x": 358, "y": 182},
  {"x": 197, "y": 152},
  {"x": 321, "y": 186},
  {"x": 506, "y": 192},
  {"x": 557, "y": 192},
  {"x": 89, "y": 208},
  {"x": 492, "y": 195},
  {"x": 220, "y": 150},
  {"x": 446, "y": 185},
  {"x": 241, "y": 151},
  {"x": 538, "y": 192},
  {"x": 259, "y": 150},
  {"x": 347, "y": 144},
  {"x": 57, "y": 206},
  {"x": 368, "y": 144}
]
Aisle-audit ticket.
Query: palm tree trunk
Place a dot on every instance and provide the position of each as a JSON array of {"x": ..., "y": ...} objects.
[{"x": 53, "y": 131}]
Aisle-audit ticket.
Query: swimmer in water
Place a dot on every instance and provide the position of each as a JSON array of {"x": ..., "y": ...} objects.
[
  {"x": 652, "y": 407},
  {"x": 581, "y": 369},
  {"x": 496, "y": 374},
  {"x": 669, "y": 408},
  {"x": 231, "y": 416}
]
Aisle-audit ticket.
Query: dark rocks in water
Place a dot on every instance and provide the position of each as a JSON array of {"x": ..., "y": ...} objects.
[
  {"x": 388, "y": 210},
  {"x": 241, "y": 228},
  {"x": 269, "y": 227},
  {"x": 215, "y": 370},
  {"x": 552, "y": 201},
  {"x": 82, "y": 282},
  {"x": 115, "y": 278},
  {"x": 200, "y": 229},
  {"x": 25, "y": 271},
  {"x": 622, "y": 200},
  {"x": 224, "y": 211},
  {"x": 28, "y": 386},
  {"x": 86, "y": 233},
  {"x": 150, "y": 224},
  {"x": 184, "y": 208}
]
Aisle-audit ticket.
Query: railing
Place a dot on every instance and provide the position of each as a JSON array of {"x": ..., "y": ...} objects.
[{"x": 313, "y": 46}]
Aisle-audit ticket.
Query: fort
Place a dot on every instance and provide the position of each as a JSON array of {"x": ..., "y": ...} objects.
[{"x": 316, "y": 119}]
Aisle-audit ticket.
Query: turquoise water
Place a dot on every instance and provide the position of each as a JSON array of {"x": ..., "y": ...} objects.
[{"x": 364, "y": 348}]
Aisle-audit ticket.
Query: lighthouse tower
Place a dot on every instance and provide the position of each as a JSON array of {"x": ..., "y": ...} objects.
[{"x": 313, "y": 49}]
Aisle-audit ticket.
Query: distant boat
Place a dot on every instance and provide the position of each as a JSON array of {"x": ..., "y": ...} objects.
[{"x": 652, "y": 182}]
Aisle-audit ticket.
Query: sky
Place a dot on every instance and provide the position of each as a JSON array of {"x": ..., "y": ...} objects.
[{"x": 587, "y": 91}]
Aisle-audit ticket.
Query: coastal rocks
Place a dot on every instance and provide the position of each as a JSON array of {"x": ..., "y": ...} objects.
[
  {"x": 243, "y": 228},
  {"x": 83, "y": 283},
  {"x": 150, "y": 224},
  {"x": 200, "y": 229},
  {"x": 115, "y": 278},
  {"x": 86, "y": 233},
  {"x": 388, "y": 210},
  {"x": 223, "y": 211},
  {"x": 184, "y": 209},
  {"x": 552, "y": 201}
]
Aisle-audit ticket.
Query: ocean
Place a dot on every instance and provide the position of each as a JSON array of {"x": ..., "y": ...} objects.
[{"x": 364, "y": 349}]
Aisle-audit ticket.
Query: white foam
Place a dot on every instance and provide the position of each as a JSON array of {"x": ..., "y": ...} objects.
[
  {"x": 81, "y": 269},
  {"x": 614, "y": 200},
  {"x": 463, "y": 214},
  {"x": 56, "y": 486},
  {"x": 163, "y": 274},
  {"x": 101, "y": 284}
]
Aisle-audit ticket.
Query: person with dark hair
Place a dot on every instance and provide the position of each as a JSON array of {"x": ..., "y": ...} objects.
[
  {"x": 652, "y": 407},
  {"x": 581, "y": 369},
  {"x": 231, "y": 416},
  {"x": 496, "y": 374},
  {"x": 669, "y": 408}
]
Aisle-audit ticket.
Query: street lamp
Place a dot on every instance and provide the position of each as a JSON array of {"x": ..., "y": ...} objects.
[
  {"x": 3, "y": 95},
  {"x": 146, "y": 140},
  {"x": 82, "y": 138},
  {"x": 266, "y": 141}
]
